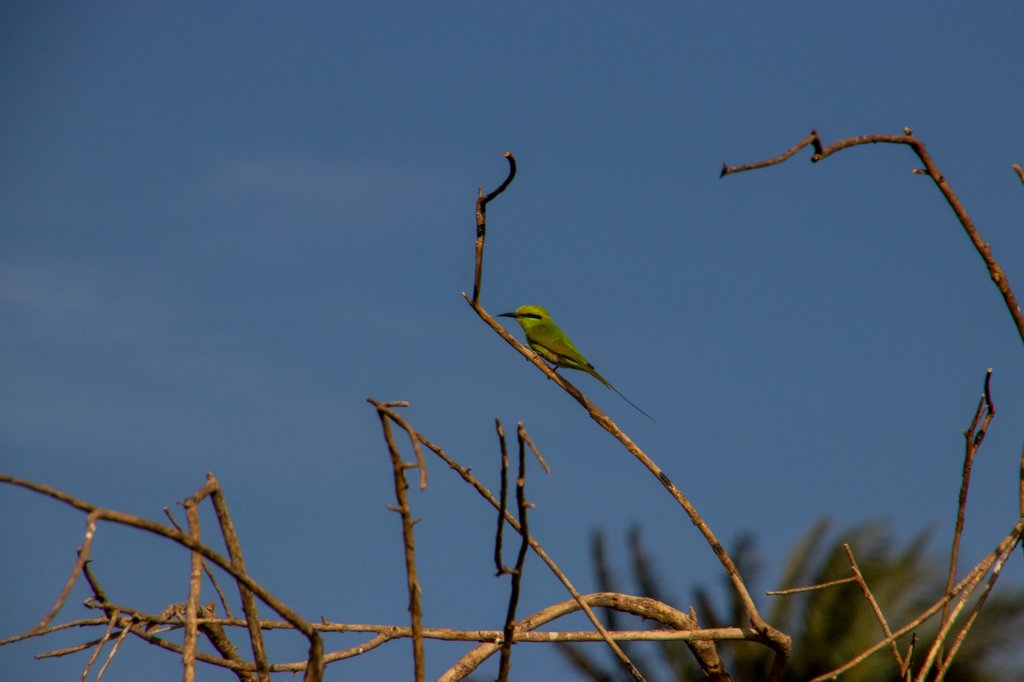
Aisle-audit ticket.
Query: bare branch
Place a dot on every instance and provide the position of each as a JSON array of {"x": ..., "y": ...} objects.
[
  {"x": 538, "y": 550},
  {"x": 931, "y": 170},
  {"x": 778, "y": 641},
  {"x": 80, "y": 561},
  {"x": 973, "y": 436},
  {"x": 1020, "y": 477},
  {"x": 517, "y": 573},
  {"x": 481, "y": 221},
  {"x": 314, "y": 671},
  {"x": 398, "y": 468},
  {"x": 874, "y": 604},
  {"x": 503, "y": 500},
  {"x": 811, "y": 139},
  {"x": 935, "y": 653},
  {"x": 227, "y": 527},
  {"x": 99, "y": 645},
  {"x": 810, "y": 588},
  {"x": 536, "y": 453},
  {"x": 113, "y": 650},
  {"x": 975, "y": 610},
  {"x": 651, "y": 609},
  {"x": 194, "y": 585},
  {"x": 965, "y": 586},
  {"x": 206, "y": 569}
]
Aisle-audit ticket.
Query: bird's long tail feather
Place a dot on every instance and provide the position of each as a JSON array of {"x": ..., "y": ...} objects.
[{"x": 609, "y": 385}]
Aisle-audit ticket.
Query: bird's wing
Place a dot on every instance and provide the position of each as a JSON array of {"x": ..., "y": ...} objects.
[{"x": 555, "y": 341}]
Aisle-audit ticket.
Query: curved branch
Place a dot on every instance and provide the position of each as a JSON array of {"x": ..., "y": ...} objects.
[
  {"x": 811, "y": 139},
  {"x": 681, "y": 626},
  {"x": 931, "y": 170},
  {"x": 481, "y": 221}
]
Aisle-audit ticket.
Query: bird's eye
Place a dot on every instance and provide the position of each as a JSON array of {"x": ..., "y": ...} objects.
[{"x": 533, "y": 316}]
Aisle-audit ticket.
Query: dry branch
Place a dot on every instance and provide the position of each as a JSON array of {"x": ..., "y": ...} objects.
[
  {"x": 866, "y": 591},
  {"x": 481, "y": 221},
  {"x": 986, "y": 410},
  {"x": 314, "y": 666},
  {"x": 534, "y": 545},
  {"x": 778, "y": 641},
  {"x": 683, "y": 627},
  {"x": 195, "y": 619},
  {"x": 398, "y": 468},
  {"x": 931, "y": 170},
  {"x": 964, "y": 588},
  {"x": 973, "y": 435},
  {"x": 517, "y": 573}
]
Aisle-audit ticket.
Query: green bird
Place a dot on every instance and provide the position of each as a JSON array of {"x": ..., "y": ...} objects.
[{"x": 552, "y": 344}]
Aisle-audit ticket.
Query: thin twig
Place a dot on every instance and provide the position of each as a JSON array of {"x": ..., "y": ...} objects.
[
  {"x": 536, "y": 453},
  {"x": 68, "y": 650},
  {"x": 810, "y": 588},
  {"x": 206, "y": 569},
  {"x": 503, "y": 500},
  {"x": 811, "y": 139},
  {"x": 973, "y": 436},
  {"x": 907, "y": 669},
  {"x": 99, "y": 645},
  {"x": 194, "y": 587},
  {"x": 930, "y": 169},
  {"x": 517, "y": 573},
  {"x": 113, "y": 650},
  {"x": 874, "y": 604},
  {"x": 1020, "y": 492},
  {"x": 966, "y": 585},
  {"x": 82, "y": 622},
  {"x": 481, "y": 221},
  {"x": 943, "y": 666},
  {"x": 398, "y": 468},
  {"x": 252, "y": 617},
  {"x": 537, "y": 548},
  {"x": 80, "y": 561},
  {"x": 935, "y": 651}
]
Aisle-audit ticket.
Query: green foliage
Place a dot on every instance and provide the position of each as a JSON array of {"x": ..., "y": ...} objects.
[{"x": 829, "y": 626}]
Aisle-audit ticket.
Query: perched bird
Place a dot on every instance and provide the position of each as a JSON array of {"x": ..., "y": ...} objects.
[{"x": 551, "y": 343}]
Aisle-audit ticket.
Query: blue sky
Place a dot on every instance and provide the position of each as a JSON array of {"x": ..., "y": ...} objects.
[{"x": 226, "y": 225}]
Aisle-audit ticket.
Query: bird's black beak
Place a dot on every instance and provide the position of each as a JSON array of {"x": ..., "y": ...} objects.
[{"x": 509, "y": 315}]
